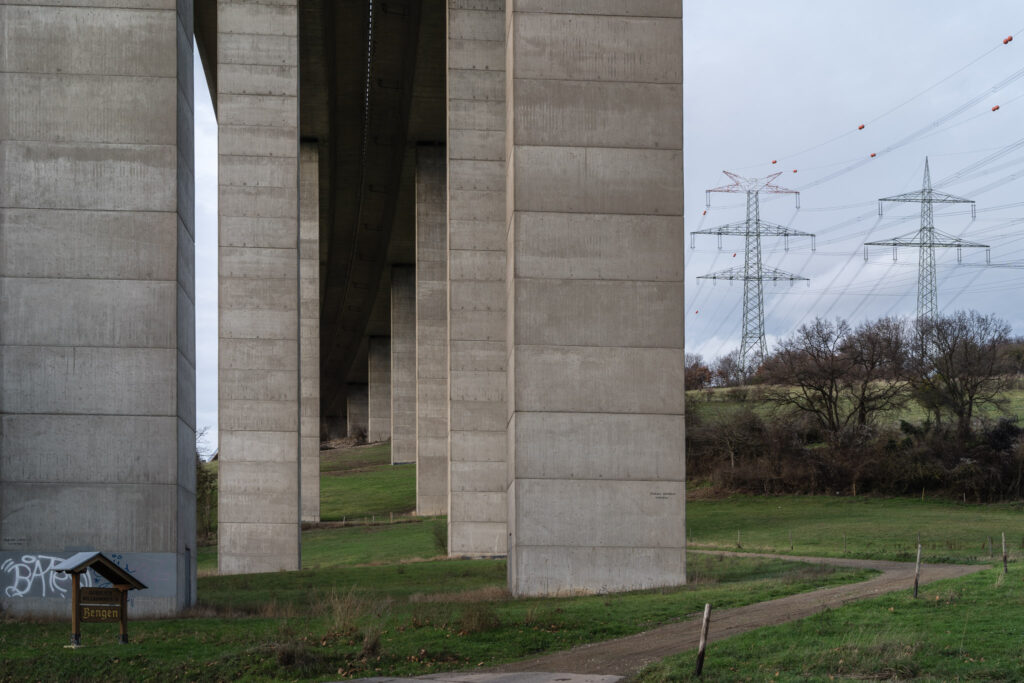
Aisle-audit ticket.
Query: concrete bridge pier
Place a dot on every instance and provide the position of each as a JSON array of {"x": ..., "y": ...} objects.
[
  {"x": 97, "y": 332},
  {"x": 431, "y": 332},
  {"x": 403, "y": 364},
  {"x": 595, "y": 290},
  {"x": 475, "y": 48},
  {"x": 309, "y": 328},
  {"x": 379, "y": 390},
  {"x": 357, "y": 403},
  {"x": 260, "y": 395}
]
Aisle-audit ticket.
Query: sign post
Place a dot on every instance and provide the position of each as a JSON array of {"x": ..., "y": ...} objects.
[{"x": 104, "y": 605}]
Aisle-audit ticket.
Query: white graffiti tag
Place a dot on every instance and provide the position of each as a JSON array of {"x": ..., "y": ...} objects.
[{"x": 34, "y": 576}]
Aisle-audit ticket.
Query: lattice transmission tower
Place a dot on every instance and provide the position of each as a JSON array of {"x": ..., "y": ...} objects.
[
  {"x": 753, "y": 272},
  {"x": 927, "y": 238}
]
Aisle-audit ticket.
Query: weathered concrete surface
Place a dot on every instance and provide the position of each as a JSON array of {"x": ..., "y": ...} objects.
[
  {"x": 260, "y": 399},
  {"x": 97, "y": 339},
  {"x": 403, "y": 364},
  {"x": 595, "y": 348},
  {"x": 309, "y": 314},
  {"x": 431, "y": 332},
  {"x": 379, "y": 390},
  {"x": 476, "y": 277},
  {"x": 358, "y": 410}
]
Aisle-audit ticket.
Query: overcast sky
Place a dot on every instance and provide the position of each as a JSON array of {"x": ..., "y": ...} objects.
[{"x": 791, "y": 81}]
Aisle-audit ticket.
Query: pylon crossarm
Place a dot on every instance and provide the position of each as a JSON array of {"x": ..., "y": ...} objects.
[
  {"x": 948, "y": 240},
  {"x": 767, "y": 274},
  {"x": 766, "y": 229},
  {"x": 757, "y": 185},
  {"x": 928, "y": 197},
  {"x": 895, "y": 243},
  {"x": 940, "y": 240}
]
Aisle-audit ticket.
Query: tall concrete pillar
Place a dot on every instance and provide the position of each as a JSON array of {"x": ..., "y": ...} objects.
[
  {"x": 309, "y": 328},
  {"x": 476, "y": 254},
  {"x": 378, "y": 421},
  {"x": 257, "y": 108},
  {"x": 595, "y": 240},
  {"x": 431, "y": 332},
  {"x": 97, "y": 325},
  {"x": 403, "y": 364},
  {"x": 357, "y": 405}
]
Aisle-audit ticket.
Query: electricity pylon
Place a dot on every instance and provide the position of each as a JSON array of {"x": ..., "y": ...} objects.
[
  {"x": 926, "y": 239},
  {"x": 753, "y": 273}
]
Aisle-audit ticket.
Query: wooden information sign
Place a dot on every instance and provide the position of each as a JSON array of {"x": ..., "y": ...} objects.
[
  {"x": 99, "y": 613},
  {"x": 90, "y": 604},
  {"x": 100, "y": 605},
  {"x": 100, "y": 596}
]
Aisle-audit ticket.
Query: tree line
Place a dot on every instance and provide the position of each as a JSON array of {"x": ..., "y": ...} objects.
[{"x": 820, "y": 413}]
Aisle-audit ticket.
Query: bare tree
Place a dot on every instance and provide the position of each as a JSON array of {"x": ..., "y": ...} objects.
[
  {"x": 878, "y": 354},
  {"x": 727, "y": 370},
  {"x": 696, "y": 374},
  {"x": 960, "y": 363},
  {"x": 840, "y": 376}
]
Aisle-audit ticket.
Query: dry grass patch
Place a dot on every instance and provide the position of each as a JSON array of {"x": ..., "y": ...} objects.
[{"x": 485, "y": 594}]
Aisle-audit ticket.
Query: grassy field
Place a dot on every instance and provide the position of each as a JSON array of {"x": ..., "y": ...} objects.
[
  {"x": 361, "y": 482},
  {"x": 394, "y": 619},
  {"x": 357, "y": 484},
  {"x": 369, "y": 601},
  {"x": 964, "y": 629},
  {"x": 874, "y": 528}
]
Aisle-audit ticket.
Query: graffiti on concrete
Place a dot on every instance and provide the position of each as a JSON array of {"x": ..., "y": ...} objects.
[{"x": 34, "y": 575}]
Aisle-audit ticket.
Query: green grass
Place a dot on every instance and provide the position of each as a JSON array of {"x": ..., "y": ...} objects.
[
  {"x": 361, "y": 607},
  {"x": 352, "y": 460},
  {"x": 382, "y": 543},
  {"x": 358, "y": 484},
  {"x": 376, "y": 491},
  {"x": 964, "y": 629},
  {"x": 880, "y": 528},
  {"x": 362, "y": 482},
  {"x": 398, "y": 619}
]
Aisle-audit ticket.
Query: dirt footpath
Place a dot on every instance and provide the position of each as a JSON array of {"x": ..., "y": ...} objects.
[{"x": 625, "y": 656}]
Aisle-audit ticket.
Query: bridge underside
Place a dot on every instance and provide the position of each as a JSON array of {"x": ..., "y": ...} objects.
[{"x": 454, "y": 225}]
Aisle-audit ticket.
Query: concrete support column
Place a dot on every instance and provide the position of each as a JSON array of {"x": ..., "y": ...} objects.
[
  {"x": 97, "y": 324},
  {"x": 595, "y": 243},
  {"x": 476, "y": 255},
  {"x": 257, "y": 108},
  {"x": 403, "y": 364},
  {"x": 357, "y": 405},
  {"x": 309, "y": 328},
  {"x": 431, "y": 332},
  {"x": 378, "y": 422}
]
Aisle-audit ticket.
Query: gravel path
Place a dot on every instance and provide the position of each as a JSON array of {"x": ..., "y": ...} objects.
[{"x": 625, "y": 656}]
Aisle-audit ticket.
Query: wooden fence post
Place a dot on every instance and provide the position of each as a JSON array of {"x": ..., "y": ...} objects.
[
  {"x": 917, "y": 569},
  {"x": 703, "y": 639}
]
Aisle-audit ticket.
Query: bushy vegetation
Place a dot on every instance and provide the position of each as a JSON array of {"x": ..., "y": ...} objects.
[{"x": 822, "y": 413}]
